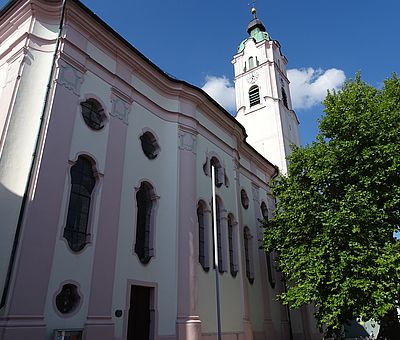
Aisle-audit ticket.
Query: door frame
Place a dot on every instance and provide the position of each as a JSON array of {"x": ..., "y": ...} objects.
[{"x": 153, "y": 333}]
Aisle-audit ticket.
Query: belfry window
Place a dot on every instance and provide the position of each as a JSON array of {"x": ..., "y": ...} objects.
[
  {"x": 284, "y": 98},
  {"x": 248, "y": 254},
  {"x": 145, "y": 205},
  {"x": 254, "y": 95},
  {"x": 251, "y": 63},
  {"x": 203, "y": 236},
  {"x": 82, "y": 184}
]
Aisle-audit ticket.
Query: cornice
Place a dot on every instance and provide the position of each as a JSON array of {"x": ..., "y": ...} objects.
[
  {"x": 110, "y": 42},
  {"x": 13, "y": 16}
]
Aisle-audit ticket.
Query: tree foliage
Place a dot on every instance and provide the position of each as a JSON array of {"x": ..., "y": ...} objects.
[{"x": 338, "y": 209}]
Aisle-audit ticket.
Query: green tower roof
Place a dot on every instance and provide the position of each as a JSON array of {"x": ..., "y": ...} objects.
[{"x": 257, "y": 32}]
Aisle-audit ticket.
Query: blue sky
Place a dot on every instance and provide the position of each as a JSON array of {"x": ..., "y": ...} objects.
[{"x": 195, "y": 40}]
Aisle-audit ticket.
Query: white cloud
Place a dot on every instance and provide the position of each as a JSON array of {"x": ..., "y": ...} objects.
[
  {"x": 308, "y": 86},
  {"x": 222, "y": 91}
]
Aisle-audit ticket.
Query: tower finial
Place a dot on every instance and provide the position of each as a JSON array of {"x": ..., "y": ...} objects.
[{"x": 253, "y": 9}]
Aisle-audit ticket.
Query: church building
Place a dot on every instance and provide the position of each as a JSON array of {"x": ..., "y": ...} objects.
[{"x": 106, "y": 189}]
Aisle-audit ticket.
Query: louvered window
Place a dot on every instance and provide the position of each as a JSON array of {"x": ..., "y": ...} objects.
[{"x": 254, "y": 96}]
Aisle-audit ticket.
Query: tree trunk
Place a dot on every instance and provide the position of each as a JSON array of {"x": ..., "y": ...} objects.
[{"x": 389, "y": 326}]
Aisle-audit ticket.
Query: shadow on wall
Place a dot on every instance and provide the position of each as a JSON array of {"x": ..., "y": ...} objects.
[{"x": 9, "y": 209}]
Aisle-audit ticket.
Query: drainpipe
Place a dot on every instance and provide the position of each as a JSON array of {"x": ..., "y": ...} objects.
[{"x": 33, "y": 163}]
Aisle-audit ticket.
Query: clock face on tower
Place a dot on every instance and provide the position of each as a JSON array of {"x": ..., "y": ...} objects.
[{"x": 252, "y": 77}]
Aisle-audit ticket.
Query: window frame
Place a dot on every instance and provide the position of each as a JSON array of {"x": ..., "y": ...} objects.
[
  {"x": 284, "y": 97},
  {"x": 78, "y": 303},
  {"x": 153, "y": 141},
  {"x": 254, "y": 95},
  {"x": 90, "y": 208},
  {"x": 244, "y": 199},
  {"x": 271, "y": 278},
  {"x": 148, "y": 252},
  {"x": 248, "y": 253},
  {"x": 251, "y": 62},
  {"x": 204, "y": 257},
  {"x": 221, "y": 236},
  {"x": 232, "y": 245},
  {"x": 219, "y": 171},
  {"x": 99, "y": 111}
]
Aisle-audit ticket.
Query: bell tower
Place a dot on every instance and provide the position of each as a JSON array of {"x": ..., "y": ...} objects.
[{"x": 263, "y": 100}]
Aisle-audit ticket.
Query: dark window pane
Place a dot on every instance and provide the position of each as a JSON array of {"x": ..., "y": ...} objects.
[
  {"x": 264, "y": 211},
  {"x": 231, "y": 254},
  {"x": 247, "y": 250},
  {"x": 254, "y": 96},
  {"x": 143, "y": 219},
  {"x": 218, "y": 171},
  {"x": 83, "y": 181},
  {"x": 68, "y": 299},
  {"x": 200, "y": 218},
  {"x": 284, "y": 98},
  {"x": 92, "y": 114},
  {"x": 149, "y": 145}
]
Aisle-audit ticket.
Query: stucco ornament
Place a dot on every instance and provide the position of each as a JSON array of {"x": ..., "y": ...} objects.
[
  {"x": 187, "y": 141},
  {"x": 120, "y": 108},
  {"x": 70, "y": 77}
]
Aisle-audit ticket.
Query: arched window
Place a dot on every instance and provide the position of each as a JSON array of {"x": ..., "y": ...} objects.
[
  {"x": 203, "y": 236},
  {"x": 93, "y": 114},
  {"x": 221, "y": 236},
  {"x": 145, "y": 203},
  {"x": 232, "y": 245},
  {"x": 244, "y": 199},
  {"x": 284, "y": 98},
  {"x": 251, "y": 63},
  {"x": 271, "y": 278},
  {"x": 82, "y": 184},
  {"x": 254, "y": 95},
  {"x": 248, "y": 254},
  {"x": 219, "y": 173},
  {"x": 264, "y": 211}
]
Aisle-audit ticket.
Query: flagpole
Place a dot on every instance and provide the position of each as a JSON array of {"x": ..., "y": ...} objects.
[{"x": 215, "y": 239}]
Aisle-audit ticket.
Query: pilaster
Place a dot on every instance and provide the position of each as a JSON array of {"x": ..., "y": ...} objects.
[{"x": 188, "y": 324}]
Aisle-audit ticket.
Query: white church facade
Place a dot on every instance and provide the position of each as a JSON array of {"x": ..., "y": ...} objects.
[{"x": 105, "y": 187}]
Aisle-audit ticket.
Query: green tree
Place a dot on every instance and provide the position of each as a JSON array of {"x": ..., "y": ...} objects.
[{"x": 338, "y": 209}]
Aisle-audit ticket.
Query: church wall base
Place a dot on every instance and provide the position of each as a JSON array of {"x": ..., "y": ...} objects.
[
  {"x": 99, "y": 331},
  {"x": 17, "y": 329},
  {"x": 188, "y": 328}
]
